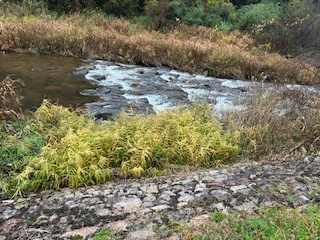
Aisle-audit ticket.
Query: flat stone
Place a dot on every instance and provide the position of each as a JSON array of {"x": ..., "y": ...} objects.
[
  {"x": 165, "y": 197},
  {"x": 82, "y": 232},
  {"x": 142, "y": 235},
  {"x": 219, "y": 207},
  {"x": 129, "y": 204},
  {"x": 247, "y": 207},
  {"x": 153, "y": 189},
  {"x": 9, "y": 214},
  {"x": 120, "y": 225},
  {"x": 69, "y": 203},
  {"x": 147, "y": 204},
  {"x": 201, "y": 195},
  {"x": 159, "y": 208},
  {"x": 2, "y": 237},
  {"x": 186, "y": 198},
  {"x": 200, "y": 187},
  {"x": 149, "y": 198},
  {"x": 219, "y": 194},
  {"x": 301, "y": 200},
  {"x": 103, "y": 212},
  {"x": 7, "y": 202},
  {"x": 237, "y": 188},
  {"x": 181, "y": 205},
  {"x": 69, "y": 195},
  {"x": 220, "y": 179},
  {"x": 53, "y": 217},
  {"x": 214, "y": 172},
  {"x": 208, "y": 179}
]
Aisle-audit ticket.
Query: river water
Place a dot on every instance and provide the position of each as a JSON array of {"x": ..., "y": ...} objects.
[
  {"x": 106, "y": 88},
  {"x": 49, "y": 77}
]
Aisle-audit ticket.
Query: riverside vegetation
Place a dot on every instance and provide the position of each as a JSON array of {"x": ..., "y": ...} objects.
[
  {"x": 57, "y": 147},
  {"x": 194, "y": 49}
]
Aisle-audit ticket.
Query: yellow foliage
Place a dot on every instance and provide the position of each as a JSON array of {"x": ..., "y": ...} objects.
[{"x": 80, "y": 152}]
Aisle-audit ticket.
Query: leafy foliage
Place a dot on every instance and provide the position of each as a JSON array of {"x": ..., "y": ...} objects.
[
  {"x": 18, "y": 141},
  {"x": 252, "y": 15},
  {"x": 296, "y": 32}
]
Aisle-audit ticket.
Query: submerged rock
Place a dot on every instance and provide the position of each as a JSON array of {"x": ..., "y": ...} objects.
[{"x": 146, "y": 90}]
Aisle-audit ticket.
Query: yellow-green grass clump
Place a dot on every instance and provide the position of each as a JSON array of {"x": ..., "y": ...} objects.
[
  {"x": 188, "y": 48},
  {"x": 81, "y": 152}
]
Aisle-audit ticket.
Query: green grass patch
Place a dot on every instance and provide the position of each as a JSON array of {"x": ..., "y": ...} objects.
[
  {"x": 267, "y": 223},
  {"x": 18, "y": 141},
  {"x": 107, "y": 234}
]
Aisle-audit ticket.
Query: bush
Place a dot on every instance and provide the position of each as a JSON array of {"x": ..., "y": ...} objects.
[
  {"x": 297, "y": 31},
  {"x": 252, "y": 15},
  {"x": 159, "y": 13}
]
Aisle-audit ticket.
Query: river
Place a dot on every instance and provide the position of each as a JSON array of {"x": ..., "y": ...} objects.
[
  {"x": 49, "y": 77},
  {"x": 105, "y": 88}
]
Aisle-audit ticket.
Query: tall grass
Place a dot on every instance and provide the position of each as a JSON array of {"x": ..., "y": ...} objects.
[
  {"x": 80, "y": 152},
  {"x": 281, "y": 121},
  {"x": 187, "y": 48},
  {"x": 58, "y": 147},
  {"x": 10, "y": 99}
]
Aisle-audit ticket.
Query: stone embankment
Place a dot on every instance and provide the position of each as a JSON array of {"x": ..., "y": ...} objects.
[{"x": 140, "y": 209}]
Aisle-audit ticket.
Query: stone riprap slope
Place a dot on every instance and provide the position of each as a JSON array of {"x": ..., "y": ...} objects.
[{"x": 139, "y": 209}]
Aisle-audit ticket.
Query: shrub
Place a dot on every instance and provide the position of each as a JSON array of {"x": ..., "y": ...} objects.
[
  {"x": 297, "y": 31},
  {"x": 252, "y": 15},
  {"x": 159, "y": 13},
  {"x": 23, "y": 7}
]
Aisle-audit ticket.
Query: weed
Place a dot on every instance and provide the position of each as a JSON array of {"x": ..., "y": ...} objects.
[
  {"x": 10, "y": 99},
  {"x": 278, "y": 121},
  {"x": 172, "y": 226},
  {"x": 218, "y": 217},
  {"x": 107, "y": 234},
  {"x": 269, "y": 223}
]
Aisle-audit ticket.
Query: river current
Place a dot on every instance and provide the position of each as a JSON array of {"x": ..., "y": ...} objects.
[{"x": 106, "y": 88}]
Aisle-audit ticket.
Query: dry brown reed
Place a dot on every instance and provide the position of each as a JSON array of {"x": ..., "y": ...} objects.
[
  {"x": 10, "y": 99},
  {"x": 188, "y": 48},
  {"x": 282, "y": 121}
]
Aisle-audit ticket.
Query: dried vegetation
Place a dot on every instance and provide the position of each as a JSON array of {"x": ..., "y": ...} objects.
[
  {"x": 10, "y": 99},
  {"x": 188, "y": 48}
]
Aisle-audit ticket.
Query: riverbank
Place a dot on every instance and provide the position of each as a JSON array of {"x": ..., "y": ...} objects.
[
  {"x": 180, "y": 206},
  {"x": 193, "y": 49}
]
